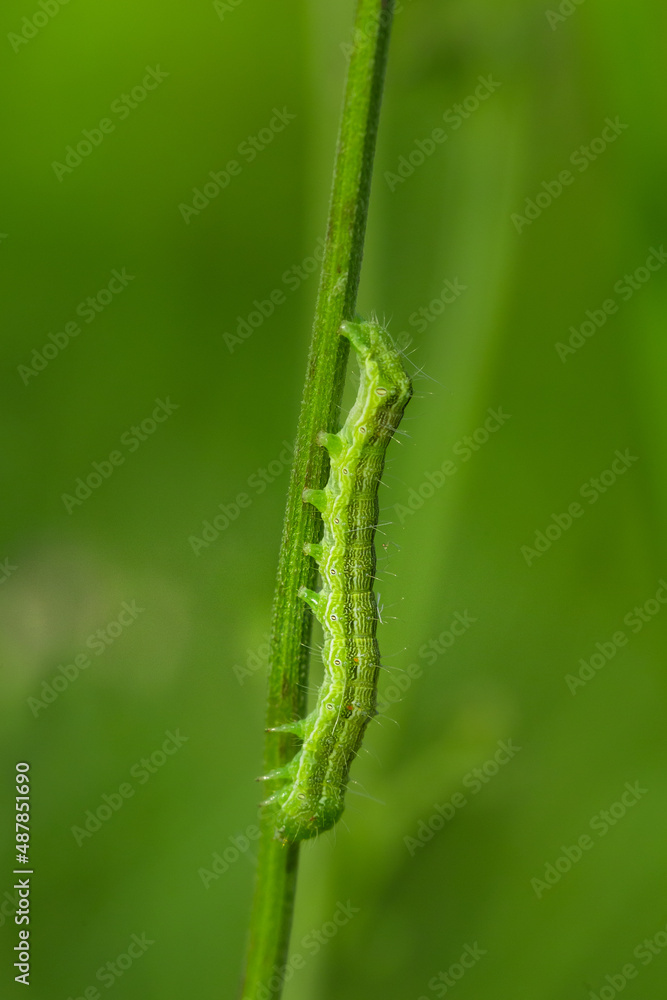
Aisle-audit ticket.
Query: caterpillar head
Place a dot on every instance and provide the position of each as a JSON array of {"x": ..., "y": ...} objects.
[{"x": 382, "y": 363}]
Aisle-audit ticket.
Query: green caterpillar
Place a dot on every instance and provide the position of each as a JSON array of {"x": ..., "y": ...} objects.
[{"x": 312, "y": 798}]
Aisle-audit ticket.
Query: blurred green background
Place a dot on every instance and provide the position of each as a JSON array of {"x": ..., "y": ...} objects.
[{"x": 190, "y": 658}]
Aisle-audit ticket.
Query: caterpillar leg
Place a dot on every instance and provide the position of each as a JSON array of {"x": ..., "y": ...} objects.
[
  {"x": 285, "y": 774},
  {"x": 358, "y": 333},
  {"x": 315, "y": 550},
  {"x": 296, "y": 728},
  {"x": 316, "y": 602},
  {"x": 318, "y": 498},
  {"x": 333, "y": 443}
]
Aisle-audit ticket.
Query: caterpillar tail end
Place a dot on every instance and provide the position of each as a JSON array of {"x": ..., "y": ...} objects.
[{"x": 303, "y": 821}]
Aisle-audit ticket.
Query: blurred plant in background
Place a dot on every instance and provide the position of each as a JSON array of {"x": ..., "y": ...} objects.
[{"x": 454, "y": 543}]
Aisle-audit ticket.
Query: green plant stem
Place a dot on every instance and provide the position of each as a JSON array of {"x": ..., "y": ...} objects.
[{"x": 277, "y": 865}]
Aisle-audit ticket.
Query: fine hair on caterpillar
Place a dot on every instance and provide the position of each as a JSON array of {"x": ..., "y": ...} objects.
[{"x": 311, "y": 796}]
